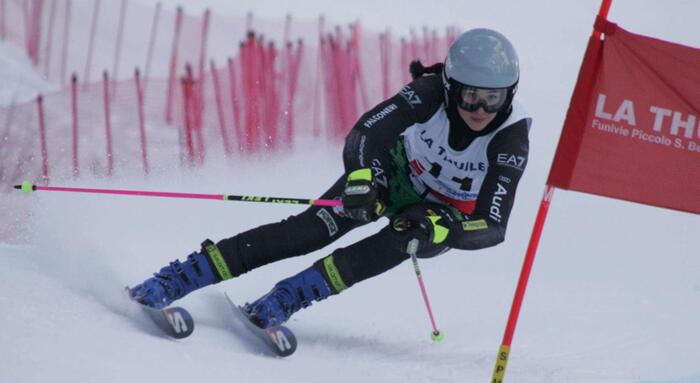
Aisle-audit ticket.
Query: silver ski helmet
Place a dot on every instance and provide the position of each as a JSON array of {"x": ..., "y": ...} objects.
[{"x": 481, "y": 70}]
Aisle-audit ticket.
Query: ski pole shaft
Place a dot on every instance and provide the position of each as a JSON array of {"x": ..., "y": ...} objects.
[
  {"x": 435, "y": 335},
  {"x": 28, "y": 187}
]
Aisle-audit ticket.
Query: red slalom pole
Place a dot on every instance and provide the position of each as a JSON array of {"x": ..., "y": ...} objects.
[
  {"x": 235, "y": 104},
  {"x": 91, "y": 44},
  {"x": 42, "y": 138},
  {"x": 118, "y": 45},
  {"x": 504, "y": 351},
  {"x": 74, "y": 114},
  {"x": 64, "y": 49},
  {"x": 202, "y": 67},
  {"x": 3, "y": 19},
  {"x": 318, "y": 79},
  {"x": 151, "y": 44},
  {"x": 187, "y": 119},
  {"x": 28, "y": 187},
  {"x": 108, "y": 123},
  {"x": 49, "y": 40},
  {"x": 172, "y": 74},
  {"x": 220, "y": 108},
  {"x": 142, "y": 120}
]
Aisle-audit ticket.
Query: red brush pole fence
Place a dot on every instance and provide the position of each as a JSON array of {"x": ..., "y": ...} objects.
[
  {"x": 269, "y": 107},
  {"x": 187, "y": 120},
  {"x": 142, "y": 121},
  {"x": 172, "y": 76},
  {"x": 42, "y": 138},
  {"x": 118, "y": 45},
  {"x": 202, "y": 67},
  {"x": 194, "y": 105},
  {"x": 294, "y": 60},
  {"x": 91, "y": 43},
  {"x": 49, "y": 40},
  {"x": 3, "y": 19},
  {"x": 235, "y": 104},
  {"x": 384, "y": 63},
  {"x": 108, "y": 123},
  {"x": 357, "y": 65},
  {"x": 151, "y": 45},
  {"x": 220, "y": 109},
  {"x": 66, "y": 33},
  {"x": 318, "y": 80},
  {"x": 74, "y": 114}
]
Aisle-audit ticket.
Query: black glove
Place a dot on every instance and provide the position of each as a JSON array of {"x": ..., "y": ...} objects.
[
  {"x": 361, "y": 196},
  {"x": 423, "y": 225}
]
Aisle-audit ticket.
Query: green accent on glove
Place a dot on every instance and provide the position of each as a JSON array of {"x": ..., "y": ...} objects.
[
  {"x": 218, "y": 260},
  {"x": 364, "y": 174},
  {"x": 440, "y": 231},
  {"x": 379, "y": 209},
  {"x": 474, "y": 225},
  {"x": 333, "y": 274}
]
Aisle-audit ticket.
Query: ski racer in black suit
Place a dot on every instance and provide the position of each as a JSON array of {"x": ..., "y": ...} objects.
[{"x": 441, "y": 160}]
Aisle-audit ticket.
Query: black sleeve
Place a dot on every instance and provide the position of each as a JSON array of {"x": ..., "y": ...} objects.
[
  {"x": 507, "y": 156},
  {"x": 376, "y": 132}
]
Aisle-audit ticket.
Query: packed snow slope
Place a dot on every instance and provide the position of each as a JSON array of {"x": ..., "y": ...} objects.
[{"x": 614, "y": 294}]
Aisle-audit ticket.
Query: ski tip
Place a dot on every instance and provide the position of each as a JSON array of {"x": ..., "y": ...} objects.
[{"x": 26, "y": 187}]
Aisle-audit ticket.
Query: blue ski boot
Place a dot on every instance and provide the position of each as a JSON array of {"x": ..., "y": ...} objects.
[
  {"x": 178, "y": 279},
  {"x": 287, "y": 297}
]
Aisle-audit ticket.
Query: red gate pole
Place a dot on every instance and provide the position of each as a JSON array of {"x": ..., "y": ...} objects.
[
  {"x": 172, "y": 76},
  {"x": 235, "y": 104},
  {"x": 42, "y": 138},
  {"x": 202, "y": 66},
  {"x": 91, "y": 44},
  {"x": 504, "y": 351},
  {"x": 293, "y": 82},
  {"x": 108, "y": 123},
  {"x": 151, "y": 45},
  {"x": 382, "y": 64},
  {"x": 357, "y": 64},
  {"x": 3, "y": 19},
  {"x": 64, "y": 50},
  {"x": 142, "y": 121},
  {"x": 187, "y": 120},
  {"x": 74, "y": 113},
  {"x": 318, "y": 80},
  {"x": 220, "y": 109},
  {"x": 49, "y": 40},
  {"x": 118, "y": 45}
]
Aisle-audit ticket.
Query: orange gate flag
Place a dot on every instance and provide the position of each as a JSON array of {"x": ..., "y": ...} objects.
[{"x": 632, "y": 130}]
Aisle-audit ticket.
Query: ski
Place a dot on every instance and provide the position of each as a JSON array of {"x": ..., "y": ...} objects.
[
  {"x": 279, "y": 339},
  {"x": 175, "y": 322}
]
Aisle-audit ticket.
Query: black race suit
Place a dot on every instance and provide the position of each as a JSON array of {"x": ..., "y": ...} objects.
[{"x": 376, "y": 141}]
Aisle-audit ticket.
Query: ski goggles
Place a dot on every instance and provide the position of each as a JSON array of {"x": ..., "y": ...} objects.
[{"x": 472, "y": 98}]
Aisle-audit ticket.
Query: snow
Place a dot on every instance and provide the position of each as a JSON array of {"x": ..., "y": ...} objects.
[{"x": 614, "y": 293}]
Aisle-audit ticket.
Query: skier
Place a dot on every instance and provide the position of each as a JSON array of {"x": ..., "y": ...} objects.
[{"x": 441, "y": 160}]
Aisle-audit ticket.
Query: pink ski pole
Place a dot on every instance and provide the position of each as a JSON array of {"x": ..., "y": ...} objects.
[
  {"x": 435, "y": 335},
  {"x": 29, "y": 187}
]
